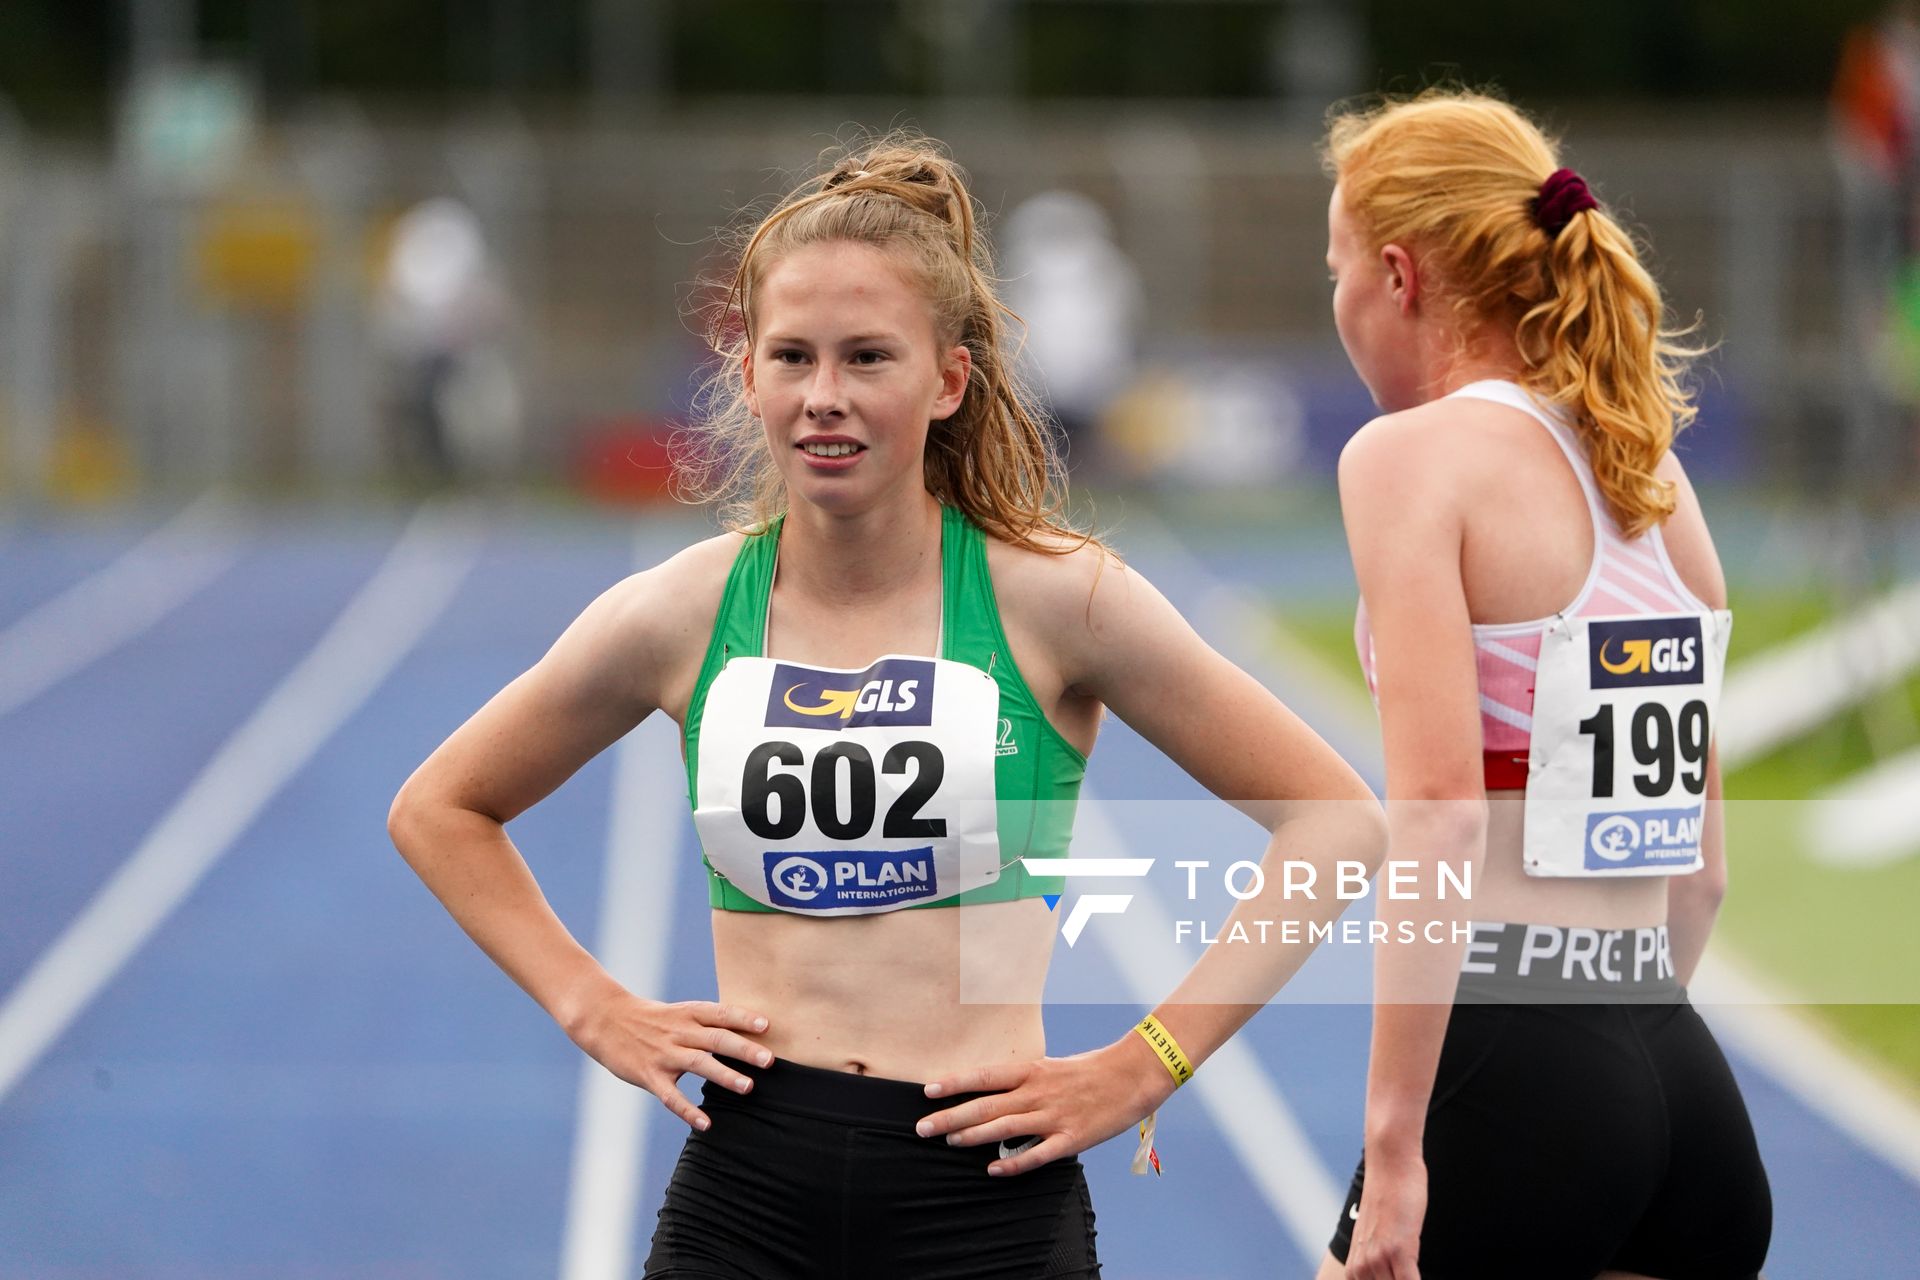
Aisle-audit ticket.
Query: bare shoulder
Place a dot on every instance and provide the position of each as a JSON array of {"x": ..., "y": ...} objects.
[
  {"x": 655, "y": 624},
  {"x": 1689, "y": 543},
  {"x": 1076, "y": 618},
  {"x": 1058, "y": 590},
  {"x": 1398, "y": 457},
  {"x": 679, "y": 598},
  {"x": 1423, "y": 437}
]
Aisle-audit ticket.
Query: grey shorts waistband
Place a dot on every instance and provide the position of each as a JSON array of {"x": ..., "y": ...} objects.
[{"x": 1556, "y": 962}]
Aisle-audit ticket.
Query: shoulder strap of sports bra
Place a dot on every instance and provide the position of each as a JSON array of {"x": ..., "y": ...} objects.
[
  {"x": 1605, "y": 530},
  {"x": 966, "y": 593},
  {"x": 1515, "y": 396},
  {"x": 740, "y": 627},
  {"x": 740, "y": 631}
]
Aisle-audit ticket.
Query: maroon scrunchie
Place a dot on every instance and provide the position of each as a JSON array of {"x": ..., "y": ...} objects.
[{"x": 1562, "y": 195}]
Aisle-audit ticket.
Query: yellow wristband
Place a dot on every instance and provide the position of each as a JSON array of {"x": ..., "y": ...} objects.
[{"x": 1168, "y": 1048}]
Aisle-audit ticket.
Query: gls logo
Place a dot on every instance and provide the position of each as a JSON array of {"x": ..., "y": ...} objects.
[
  {"x": 894, "y": 691},
  {"x": 1643, "y": 651}
]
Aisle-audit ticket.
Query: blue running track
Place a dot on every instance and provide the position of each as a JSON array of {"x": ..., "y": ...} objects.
[{"x": 308, "y": 1072}]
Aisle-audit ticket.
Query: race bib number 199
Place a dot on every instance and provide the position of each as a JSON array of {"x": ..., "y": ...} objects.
[{"x": 1623, "y": 716}]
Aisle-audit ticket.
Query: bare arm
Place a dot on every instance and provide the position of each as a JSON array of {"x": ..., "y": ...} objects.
[
  {"x": 448, "y": 820},
  {"x": 1120, "y": 641},
  {"x": 1236, "y": 739},
  {"x": 1406, "y": 535},
  {"x": 610, "y": 670},
  {"x": 1693, "y": 901}
]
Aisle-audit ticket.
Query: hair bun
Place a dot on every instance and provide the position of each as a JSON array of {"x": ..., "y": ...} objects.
[
  {"x": 891, "y": 166},
  {"x": 917, "y": 175}
]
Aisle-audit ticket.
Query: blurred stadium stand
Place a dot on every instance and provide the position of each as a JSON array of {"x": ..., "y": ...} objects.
[{"x": 187, "y": 292}]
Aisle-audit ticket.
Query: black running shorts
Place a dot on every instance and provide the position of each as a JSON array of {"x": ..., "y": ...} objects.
[
  {"x": 1579, "y": 1124},
  {"x": 819, "y": 1174}
]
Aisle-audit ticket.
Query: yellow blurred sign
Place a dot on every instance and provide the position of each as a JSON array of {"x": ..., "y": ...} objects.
[{"x": 257, "y": 252}]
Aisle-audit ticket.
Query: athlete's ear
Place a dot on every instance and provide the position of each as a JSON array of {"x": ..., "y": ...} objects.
[
  {"x": 1403, "y": 278},
  {"x": 746, "y": 379},
  {"x": 956, "y": 369}
]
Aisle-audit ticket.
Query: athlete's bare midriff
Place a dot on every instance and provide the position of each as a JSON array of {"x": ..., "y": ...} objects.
[
  {"x": 914, "y": 994},
  {"x": 904, "y": 995},
  {"x": 1504, "y": 893}
]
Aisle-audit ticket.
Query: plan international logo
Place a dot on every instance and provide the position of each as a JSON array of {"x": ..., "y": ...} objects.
[{"x": 850, "y": 878}]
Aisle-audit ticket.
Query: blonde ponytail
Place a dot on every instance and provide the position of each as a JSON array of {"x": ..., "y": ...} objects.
[{"x": 1457, "y": 178}]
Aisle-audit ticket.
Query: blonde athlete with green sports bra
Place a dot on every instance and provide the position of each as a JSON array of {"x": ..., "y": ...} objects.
[{"x": 887, "y": 676}]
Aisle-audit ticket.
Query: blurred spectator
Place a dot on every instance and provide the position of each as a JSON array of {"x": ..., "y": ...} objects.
[
  {"x": 1876, "y": 129},
  {"x": 1876, "y": 94},
  {"x": 1082, "y": 303},
  {"x": 1213, "y": 424},
  {"x": 444, "y": 320}
]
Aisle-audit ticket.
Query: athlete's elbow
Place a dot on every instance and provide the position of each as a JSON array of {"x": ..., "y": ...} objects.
[
  {"x": 1437, "y": 826},
  {"x": 404, "y": 816},
  {"x": 1368, "y": 822},
  {"x": 1703, "y": 891}
]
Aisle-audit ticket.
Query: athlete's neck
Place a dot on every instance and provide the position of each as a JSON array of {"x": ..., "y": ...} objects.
[
  {"x": 1490, "y": 353},
  {"x": 860, "y": 558}
]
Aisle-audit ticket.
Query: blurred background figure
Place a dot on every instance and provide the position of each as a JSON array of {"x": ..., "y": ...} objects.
[
  {"x": 1875, "y": 121},
  {"x": 1082, "y": 302},
  {"x": 1876, "y": 134},
  {"x": 1207, "y": 425},
  {"x": 444, "y": 323}
]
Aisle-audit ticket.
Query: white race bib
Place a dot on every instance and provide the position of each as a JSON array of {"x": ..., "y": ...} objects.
[
  {"x": 830, "y": 792},
  {"x": 1623, "y": 714}
]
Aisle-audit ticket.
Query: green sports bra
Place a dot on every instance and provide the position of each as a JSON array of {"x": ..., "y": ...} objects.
[{"x": 1036, "y": 772}]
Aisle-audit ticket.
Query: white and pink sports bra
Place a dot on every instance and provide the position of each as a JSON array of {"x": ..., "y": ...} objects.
[{"x": 1627, "y": 577}]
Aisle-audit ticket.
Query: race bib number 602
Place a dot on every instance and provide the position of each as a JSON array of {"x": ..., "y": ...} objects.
[
  {"x": 824, "y": 791},
  {"x": 1623, "y": 717}
]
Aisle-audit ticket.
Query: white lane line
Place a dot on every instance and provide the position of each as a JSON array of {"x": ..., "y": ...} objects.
[
  {"x": 109, "y": 607},
  {"x": 636, "y": 901},
  {"x": 1239, "y": 624},
  {"x": 1240, "y": 1097},
  {"x": 1829, "y": 1080},
  {"x": 369, "y": 638}
]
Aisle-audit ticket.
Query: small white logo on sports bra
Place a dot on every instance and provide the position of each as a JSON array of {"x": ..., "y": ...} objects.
[{"x": 1005, "y": 745}]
